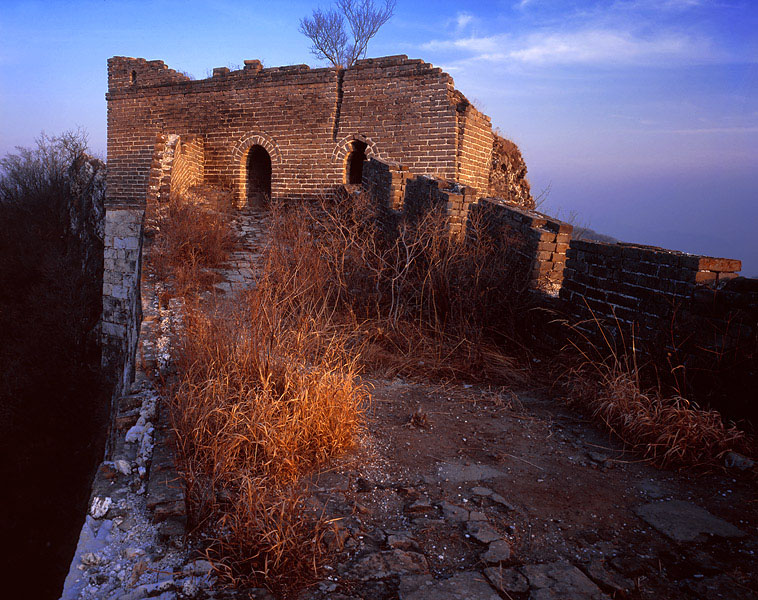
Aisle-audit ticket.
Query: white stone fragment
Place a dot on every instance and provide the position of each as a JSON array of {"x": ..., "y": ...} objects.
[
  {"x": 100, "y": 506},
  {"x": 123, "y": 466},
  {"x": 134, "y": 433}
]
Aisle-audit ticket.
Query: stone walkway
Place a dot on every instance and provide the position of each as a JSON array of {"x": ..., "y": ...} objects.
[
  {"x": 490, "y": 500},
  {"x": 246, "y": 262}
]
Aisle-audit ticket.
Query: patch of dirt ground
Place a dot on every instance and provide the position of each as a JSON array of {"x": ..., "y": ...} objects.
[{"x": 463, "y": 492}]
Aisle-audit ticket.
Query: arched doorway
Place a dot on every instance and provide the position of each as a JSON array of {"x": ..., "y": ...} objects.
[
  {"x": 258, "y": 175},
  {"x": 354, "y": 164}
]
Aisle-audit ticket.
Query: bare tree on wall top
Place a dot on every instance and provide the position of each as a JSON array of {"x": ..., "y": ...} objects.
[{"x": 331, "y": 41}]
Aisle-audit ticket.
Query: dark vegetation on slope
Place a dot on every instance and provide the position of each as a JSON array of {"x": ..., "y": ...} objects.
[{"x": 52, "y": 402}]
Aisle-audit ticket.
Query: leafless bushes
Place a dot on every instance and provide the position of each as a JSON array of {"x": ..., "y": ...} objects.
[{"x": 326, "y": 30}]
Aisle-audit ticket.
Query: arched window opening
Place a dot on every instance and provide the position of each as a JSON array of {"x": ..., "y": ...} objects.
[
  {"x": 134, "y": 77},
  {"x": 354, "y": 166},
  {"x": 258, "y": 176}
]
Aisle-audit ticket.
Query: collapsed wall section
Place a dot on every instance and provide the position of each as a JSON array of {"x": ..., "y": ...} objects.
[
  {"x": 541, "y": 241},
  {"x": 634, "y": 284},
  {"x": 474, "y": 144}
]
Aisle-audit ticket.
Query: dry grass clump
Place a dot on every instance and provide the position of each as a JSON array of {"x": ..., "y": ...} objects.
[
  {"x": 420, "y": 300},
  {"x": 189, "y": 239},
  {"x": 669, "y": 430},
  {"x": 262, "y": 400},
  {"x": 267, "y": 391}
]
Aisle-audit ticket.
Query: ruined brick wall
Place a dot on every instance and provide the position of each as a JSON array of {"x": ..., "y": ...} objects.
[
  {"x": 508, "y": 174},
  {"x": 188, "y": 169},
  {"x": 691, "y": 316},
  {"x": 475, "y": 143},
  {"x": 306, "y": 119},
  {"x": 640, "y": 286},
  {"x": 424, "y": 193},
  {"x": 542, "y": 240},
  {"x": 385, "y": 181}
]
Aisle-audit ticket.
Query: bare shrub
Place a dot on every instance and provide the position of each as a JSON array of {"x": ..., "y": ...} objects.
[
  {"x": 53, "y": 400},
  {"x": 326, "y": 30}
]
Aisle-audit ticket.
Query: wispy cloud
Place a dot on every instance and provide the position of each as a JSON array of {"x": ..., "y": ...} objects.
[
  {"x": 589, "y": 46},
  {"x": 463, "y": 19},
  {"x": 712, "y": 130},
  {"x": 603, "y": 46}
]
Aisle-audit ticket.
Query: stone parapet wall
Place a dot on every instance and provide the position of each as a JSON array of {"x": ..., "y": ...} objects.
[
  {"x": 636, "y": 284},
  {"x": 121, "y": 291},
  {"x": 541, "y": 239},
  {"x": 692, "y": 317}
]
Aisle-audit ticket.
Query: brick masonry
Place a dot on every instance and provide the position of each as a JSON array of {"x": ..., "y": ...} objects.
[
  {"x": 306, "y": 120},
  {"x": 696, "y": 308},
  {"x": 636, "y": 284},
  {"x": 541, "y": 240}
]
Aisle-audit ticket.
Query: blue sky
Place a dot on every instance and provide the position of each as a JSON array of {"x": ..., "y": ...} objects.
[{"x": 639, "y": 116}]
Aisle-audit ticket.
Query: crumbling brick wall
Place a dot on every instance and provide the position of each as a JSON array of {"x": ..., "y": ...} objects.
[
  {"x": 540, "y": 240},
  {"x": 691, "y": 316},
  {"x": 508, "y": 174},
  {"x": 475, "y": 144},
  {"x": 188, "y": 168},
  {"x": 634, "y": 284},
  {"x": 307, "y": 120}
]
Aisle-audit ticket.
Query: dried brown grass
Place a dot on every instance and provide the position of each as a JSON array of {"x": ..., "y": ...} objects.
[
  {"x": 668, "y": 429},
  {"x": 189, "y": 239},
  {"x": 268, "y": 389},
  {"x": 266, "y": 393},
  {"x": 262, "y": 401},
  {"x": 420, "y": 301}
]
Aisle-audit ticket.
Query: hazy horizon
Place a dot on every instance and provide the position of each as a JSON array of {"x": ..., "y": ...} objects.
[{"x": 641, "y": 115}]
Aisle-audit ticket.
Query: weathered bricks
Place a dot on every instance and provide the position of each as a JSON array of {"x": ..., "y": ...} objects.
[
  {"x": 657, "y": 293},
  {"x": 306, "y": 120}
]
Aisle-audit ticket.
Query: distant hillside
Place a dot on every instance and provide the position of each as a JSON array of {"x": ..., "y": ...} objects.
[{"x": 590, "y": 235}]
